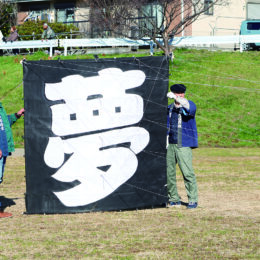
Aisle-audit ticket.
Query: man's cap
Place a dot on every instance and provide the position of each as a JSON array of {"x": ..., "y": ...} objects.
[
  {"x": 178, "y": 88},
  {"x": 45, "y": 24}
]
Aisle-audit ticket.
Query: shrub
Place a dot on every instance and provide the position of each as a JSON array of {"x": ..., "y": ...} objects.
[{"x": 31, "y": 29}]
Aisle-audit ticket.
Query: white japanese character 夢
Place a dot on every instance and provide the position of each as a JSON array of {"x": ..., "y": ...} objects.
[
  {"x": 103, "y": 157},
  {"x": 98, "y": 161},
  {"x": 95, "y": 103}
]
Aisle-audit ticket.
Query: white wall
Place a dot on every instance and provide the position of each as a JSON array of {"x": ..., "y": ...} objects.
[
  {"x": 253, "y": 9},
  {"x": 225, "y": 20}
]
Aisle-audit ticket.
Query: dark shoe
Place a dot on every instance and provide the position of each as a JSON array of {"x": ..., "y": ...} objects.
[
  {"x": 5, "y": 215},
  {"x": 192, "y": 205},
  {"x": 174, "y": 204}
]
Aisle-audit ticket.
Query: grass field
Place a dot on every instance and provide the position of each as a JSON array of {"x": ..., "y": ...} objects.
[
  {"x": 225, "y": 226},
  {"x": 224, "y": 85},
  {"x": 225, "y": 88}
]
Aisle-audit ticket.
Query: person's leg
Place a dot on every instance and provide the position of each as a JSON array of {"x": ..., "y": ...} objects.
[
  {"x": 171, "y": 174},
  {"x": 184, "y": 158},
  {"x": 2, "y": 167}
]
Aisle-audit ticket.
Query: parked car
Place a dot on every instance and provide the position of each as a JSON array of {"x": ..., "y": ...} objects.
[{"x": 250, "y": 27}]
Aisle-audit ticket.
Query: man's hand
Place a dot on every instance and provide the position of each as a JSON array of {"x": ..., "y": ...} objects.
[
  {"x": 179, "y": 101},
  {"x": 1, "y": 154},
  {"x": 183, "y": 102},
  {"x": 20, "y": 112},
  {"x": 171, "y": 95}
]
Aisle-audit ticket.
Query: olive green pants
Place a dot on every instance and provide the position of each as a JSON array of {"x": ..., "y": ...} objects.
[{"x": 182, "y": 156}]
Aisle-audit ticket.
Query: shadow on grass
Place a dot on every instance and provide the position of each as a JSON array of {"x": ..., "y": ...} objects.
[{"x": 6, "y": 202}]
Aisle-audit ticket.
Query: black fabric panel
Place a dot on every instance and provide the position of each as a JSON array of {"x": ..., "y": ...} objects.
[{"x": 146, "y": 188}]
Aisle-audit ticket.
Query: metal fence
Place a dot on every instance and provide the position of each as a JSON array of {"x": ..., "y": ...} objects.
[{"x": 192, "y": 41}]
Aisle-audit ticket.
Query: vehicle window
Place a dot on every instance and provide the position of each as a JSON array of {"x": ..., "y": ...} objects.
[{"x": 253, "y": 26}]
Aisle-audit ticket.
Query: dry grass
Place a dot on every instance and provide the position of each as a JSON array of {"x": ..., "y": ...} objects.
[{"x": 225, "y": 226}]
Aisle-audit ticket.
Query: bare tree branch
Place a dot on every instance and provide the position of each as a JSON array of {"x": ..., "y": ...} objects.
[{"x": 154, "y": 20}]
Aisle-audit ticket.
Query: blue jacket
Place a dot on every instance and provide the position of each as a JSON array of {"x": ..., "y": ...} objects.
[
  {"x": 188, "y": 135},
  {"x": 6, "y": 137}
]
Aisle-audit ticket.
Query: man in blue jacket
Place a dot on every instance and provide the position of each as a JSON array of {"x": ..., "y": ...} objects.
[
  {"x": 6, "y": 144},
  {"x": 182, "y": 138}
]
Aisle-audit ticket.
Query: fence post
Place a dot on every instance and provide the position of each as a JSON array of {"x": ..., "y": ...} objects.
[
  {"x": 51, "y": 49},
  {"x": 65, "y": 46},
  {"x": 70, "y": 38},
  {"x": 33, "y": 34}
]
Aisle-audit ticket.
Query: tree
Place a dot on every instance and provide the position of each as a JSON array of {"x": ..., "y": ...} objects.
[
  {"x": 158, "y": 20},
  {"x": 7, "y": 17}
]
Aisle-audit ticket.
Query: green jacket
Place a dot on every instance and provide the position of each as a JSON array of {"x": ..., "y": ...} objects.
[
  {"x": 7, "y": 122},
  {"x": 48, "y": 33}
]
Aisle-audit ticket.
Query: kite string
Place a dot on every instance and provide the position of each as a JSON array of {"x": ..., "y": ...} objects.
[
  {"x": 11, "y": 90},
  {"x": 217, "y": 77},
  {"x": 136, "y": 187},
  {"x": 217, "y": 109},
  {"x": 204, "y": 67},
  {"x": 157, "y": 77},
  {"x": 154, "y": 153},
  {"x": 148, "y": 191},
  {"x": 192, "y": 137},
  {"x": 148, "y": 100},
  {"x": 155, "y": 69}
]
